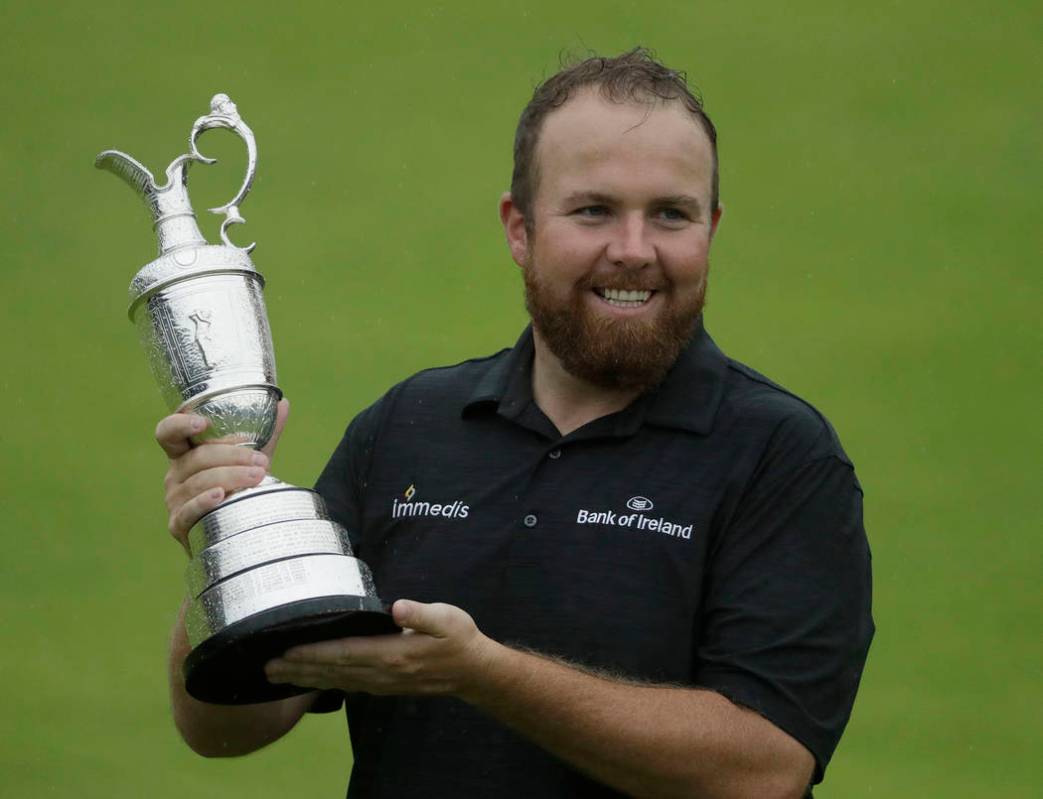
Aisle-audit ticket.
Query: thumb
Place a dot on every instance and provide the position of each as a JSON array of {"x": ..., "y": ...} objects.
[
  {"x": 282, "y": 413},
  {"x": 430, "y": 619}
]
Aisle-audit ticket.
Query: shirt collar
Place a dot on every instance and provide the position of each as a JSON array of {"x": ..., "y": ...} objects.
[
  {"x": 507, "y": 383},
  {"x": 687, "y": 398}
]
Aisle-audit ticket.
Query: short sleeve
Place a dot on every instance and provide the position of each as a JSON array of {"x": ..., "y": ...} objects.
[
  {"x": 340, "y": 486},
  {"x": 343, "y": 477},
  {"x": 787, "y": 608}
]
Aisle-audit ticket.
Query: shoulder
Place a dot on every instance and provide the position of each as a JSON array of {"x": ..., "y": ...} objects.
[
  {"x": 431, "y": 394},
  {"x": 758, "y": 406},
  {"x": 451, "y": 386},
  {"x": 450, "y": 382},
  {"x": 413, "y": 409}
]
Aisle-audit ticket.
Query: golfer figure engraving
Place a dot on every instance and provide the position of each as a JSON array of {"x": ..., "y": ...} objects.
[
  {"x": 269, "y": 569},
  {"x": 202, "y": 321}
]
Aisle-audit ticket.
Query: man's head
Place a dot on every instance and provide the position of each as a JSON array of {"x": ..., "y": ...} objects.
[
  {"x": 634, "y": 76},
  {"x": 614, "y": 238}
]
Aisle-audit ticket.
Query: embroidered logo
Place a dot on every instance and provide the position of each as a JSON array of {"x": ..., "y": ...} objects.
[
  {"x": 640, "y": 503},
  {"x": 456, "y": 509},
  {"x": 637, "y": 520}
]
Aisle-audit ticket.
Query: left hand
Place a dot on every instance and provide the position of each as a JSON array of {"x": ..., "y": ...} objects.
[{"x": 439, "y": 651}]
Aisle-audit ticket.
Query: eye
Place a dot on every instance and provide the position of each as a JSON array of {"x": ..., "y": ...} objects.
[
  {"x": 674, "y": 215},
  {"x": 592, "y": 211}
]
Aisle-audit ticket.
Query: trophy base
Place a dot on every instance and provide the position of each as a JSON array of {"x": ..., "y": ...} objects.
[{"x": 228, "y": 667}]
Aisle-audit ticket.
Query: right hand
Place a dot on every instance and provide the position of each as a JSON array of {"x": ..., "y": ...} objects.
[{"x": 200, "y": 477}]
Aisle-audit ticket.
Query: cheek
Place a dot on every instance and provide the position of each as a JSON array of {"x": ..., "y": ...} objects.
[
  {"x": 565, "y": 258},
  {"x": 686, "y": 273},
  {"x": 686, "y": 262}
]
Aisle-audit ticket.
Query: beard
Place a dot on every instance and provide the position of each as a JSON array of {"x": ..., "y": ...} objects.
[{"x": 612, "y": 353}]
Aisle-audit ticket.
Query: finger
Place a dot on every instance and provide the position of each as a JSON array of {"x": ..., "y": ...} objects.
[
  {"x": 282, "y": 414},
  {"x": 343, "y": 651},
  {"x": 230, "y": 478},
  {"x": 306, "y": 676},
  {"x": 329, "y": 675},
  {"x": 173, "y": 432},
  {"x": 210, "y": 456},
  {"x": 188, "y": 501},
  {"x": 186, "y": 515}
]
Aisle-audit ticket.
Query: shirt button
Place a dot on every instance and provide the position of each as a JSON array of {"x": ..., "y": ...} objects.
[
  {"x": 554, "y": 454},
  {"x": 530, "y": 520}
]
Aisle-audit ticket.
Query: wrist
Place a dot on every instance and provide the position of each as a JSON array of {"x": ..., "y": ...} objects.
[{"x": 493, "y": 663}]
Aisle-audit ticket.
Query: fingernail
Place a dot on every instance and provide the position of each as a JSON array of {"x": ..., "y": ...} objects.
[
  {"x": 256, "y": 474},
  {"x": 216, "y": 493},
  {"x": 198, "y": 423},
  {"x": 259, "y": 459}
]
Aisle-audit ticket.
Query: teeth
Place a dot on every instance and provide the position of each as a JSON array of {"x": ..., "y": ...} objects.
[{"x": 625, "y": 299}]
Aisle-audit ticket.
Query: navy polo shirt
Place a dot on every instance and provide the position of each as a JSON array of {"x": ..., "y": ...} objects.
[{"x": 709, "y": 534}]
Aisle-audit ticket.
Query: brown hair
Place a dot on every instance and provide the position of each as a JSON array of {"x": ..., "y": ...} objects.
[{"x": 633, "y": 76}]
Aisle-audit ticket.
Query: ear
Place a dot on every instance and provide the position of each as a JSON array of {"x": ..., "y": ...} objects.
[
  {"x": 715, "y": 220},
  {"x": 514, "y": 227}
]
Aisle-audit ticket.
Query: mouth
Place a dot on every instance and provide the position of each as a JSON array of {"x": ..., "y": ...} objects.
[{"x": 624, "y": 298}]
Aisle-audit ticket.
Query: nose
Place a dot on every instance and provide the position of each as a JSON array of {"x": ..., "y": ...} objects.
[{"x": 630, "y": 244}]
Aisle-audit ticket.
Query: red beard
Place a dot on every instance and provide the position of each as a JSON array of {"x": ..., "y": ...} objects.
[{"x": 612, "y": 353}]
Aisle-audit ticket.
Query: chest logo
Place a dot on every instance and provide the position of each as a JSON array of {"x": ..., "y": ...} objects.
[
  {"x": 406, "y": 507},
  {"x": 639, "y": 520},
  {"x": 640, "y": 503}
]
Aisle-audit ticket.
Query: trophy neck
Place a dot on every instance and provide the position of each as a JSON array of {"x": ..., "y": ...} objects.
[
  {"x": 178, "y": 231},
  {"x": 175, "y": 221}
]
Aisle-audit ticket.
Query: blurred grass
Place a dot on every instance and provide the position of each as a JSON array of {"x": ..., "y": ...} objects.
[{"x": 880, "y": 171}]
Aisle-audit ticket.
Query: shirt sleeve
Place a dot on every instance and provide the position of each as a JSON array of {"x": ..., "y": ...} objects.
[
  {"x": 787, "y": 617},
  {"x": 340, "y": 486},
  {"x": 341, "y": 481}
]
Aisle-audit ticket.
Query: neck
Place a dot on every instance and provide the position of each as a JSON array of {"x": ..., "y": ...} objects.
[{"x": 568, "y": 401}]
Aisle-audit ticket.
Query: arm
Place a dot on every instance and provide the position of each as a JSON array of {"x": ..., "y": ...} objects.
[
  {"x": 220, "y": 730},
  {"x": 197, "y": 480},
  {"x": 646, "y": 740}
]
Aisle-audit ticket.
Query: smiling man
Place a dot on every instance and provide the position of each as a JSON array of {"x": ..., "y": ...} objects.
[
  {"x": 614, "y": 242},
  {"x": 627, "y": 564}
]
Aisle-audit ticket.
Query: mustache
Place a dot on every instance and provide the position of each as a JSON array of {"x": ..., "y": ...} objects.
[{"x": 625, "y": 280}]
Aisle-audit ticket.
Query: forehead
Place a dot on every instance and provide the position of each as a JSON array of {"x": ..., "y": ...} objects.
[{"x": 591, "y": 139}]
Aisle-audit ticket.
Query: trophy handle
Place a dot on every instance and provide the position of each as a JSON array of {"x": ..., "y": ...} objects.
[{"x": 224, "y": 114}]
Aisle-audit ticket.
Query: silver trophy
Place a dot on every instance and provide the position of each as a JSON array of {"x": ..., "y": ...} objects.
[{"x": 269, "y": 569}]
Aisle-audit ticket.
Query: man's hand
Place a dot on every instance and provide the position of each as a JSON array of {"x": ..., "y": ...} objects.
[
  {"x": 440, "y": 651},
  {"x": 199, "y": 478}
]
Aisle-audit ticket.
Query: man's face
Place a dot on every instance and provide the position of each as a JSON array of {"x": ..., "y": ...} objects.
[{"x": 616, "y": 254}]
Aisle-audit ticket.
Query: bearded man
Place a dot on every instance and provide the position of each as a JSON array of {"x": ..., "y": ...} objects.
[{"x": 654, "y": 580}]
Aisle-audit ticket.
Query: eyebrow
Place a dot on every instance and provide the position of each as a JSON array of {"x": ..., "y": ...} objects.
[
  {"x": 683, "y": 201},
  {"x": 594, "y": 197}
]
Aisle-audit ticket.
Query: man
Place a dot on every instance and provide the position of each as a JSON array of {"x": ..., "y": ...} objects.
[{"x": 654, "y": 579}]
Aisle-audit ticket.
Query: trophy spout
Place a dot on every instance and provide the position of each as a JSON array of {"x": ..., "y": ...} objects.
[{"x": 169, "y": 205}]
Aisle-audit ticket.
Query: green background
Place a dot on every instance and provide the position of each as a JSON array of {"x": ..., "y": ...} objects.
[{"x": 880, "y": 172}]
